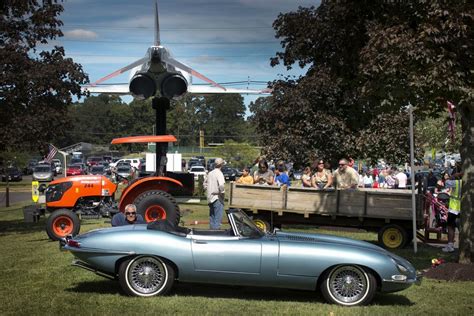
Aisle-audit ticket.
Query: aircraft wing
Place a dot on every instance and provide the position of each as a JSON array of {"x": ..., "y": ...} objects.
[
  {"x": 198, "y": 89},
  {"x": 120, "y": 89}
]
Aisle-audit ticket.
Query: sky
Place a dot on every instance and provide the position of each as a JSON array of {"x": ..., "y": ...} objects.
[{"x": 226, "y": 40}]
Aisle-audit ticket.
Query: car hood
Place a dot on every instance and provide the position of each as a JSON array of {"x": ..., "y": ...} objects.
[
  {"x": 329, "y": 239},
  {"x": 42, "y": 174}
]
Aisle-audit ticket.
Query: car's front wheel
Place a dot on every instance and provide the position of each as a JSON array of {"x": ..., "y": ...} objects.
[
  {"x": 146, "y": 276},
  {"x": 348, "y": 285}
]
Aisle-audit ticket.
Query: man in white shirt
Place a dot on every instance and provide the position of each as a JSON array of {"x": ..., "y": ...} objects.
[
  {"x": 215, "y": 190},
  {"x": 402, "y": 179}
]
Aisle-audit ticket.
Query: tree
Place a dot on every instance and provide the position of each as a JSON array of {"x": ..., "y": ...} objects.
[
  {"x": 237, "y": 154},
  {"x": 36, "y": 86},
  {"x": 366, "y": 60},
  {"x": 432, "y": 134}
]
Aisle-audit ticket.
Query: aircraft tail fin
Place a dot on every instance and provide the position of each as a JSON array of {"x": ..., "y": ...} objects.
[{"x": 157, "y": 26}]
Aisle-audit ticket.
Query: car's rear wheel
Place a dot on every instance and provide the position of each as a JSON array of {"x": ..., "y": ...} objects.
[
  {"x": 146, "y": 276},
  {"x": 62, "y": 223},
  {"x": 348, "y": 285},
  {"x": 158, "y": 205}
]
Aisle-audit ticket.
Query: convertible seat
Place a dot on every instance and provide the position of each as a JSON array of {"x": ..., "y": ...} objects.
[{"x": 165, "y": 226}]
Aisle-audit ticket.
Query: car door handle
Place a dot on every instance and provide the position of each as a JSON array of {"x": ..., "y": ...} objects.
[{"x": 199, "y": 241}]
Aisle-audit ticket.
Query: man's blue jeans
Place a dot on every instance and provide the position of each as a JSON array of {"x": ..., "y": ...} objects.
[{"x": 216, "y": 211}]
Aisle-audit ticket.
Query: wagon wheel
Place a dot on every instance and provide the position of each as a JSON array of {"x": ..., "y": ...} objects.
[
  {"x": 62, "y": 223},
  {"x": 393, "y": 236},
  {"x": 262, "y": 224}
]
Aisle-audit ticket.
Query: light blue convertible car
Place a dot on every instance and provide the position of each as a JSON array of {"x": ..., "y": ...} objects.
[{"x": 147, "y": 259}]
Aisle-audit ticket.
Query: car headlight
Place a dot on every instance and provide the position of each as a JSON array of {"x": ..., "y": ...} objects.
[{"x": 400, "y": 266}]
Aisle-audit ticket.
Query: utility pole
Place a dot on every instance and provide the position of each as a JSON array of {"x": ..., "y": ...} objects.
[
  {"x": 201, "y": 140},
  {"x": 412, "y": 176}
]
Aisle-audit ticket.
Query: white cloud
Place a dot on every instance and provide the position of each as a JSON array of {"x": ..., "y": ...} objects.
[{"x": 80, "y": 34}]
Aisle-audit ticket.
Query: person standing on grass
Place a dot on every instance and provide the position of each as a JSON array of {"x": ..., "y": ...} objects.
[
  {"x": 454, "y": 209},
  {"x": 214, "y": 186}
]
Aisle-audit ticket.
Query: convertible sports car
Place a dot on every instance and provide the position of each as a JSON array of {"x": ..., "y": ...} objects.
[{"x": 147, "y": 259}]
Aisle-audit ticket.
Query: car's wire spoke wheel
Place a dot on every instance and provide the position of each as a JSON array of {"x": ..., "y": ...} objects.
[
  {"x": 349, "y": 285},
  {"x": 146, "y": 276}
]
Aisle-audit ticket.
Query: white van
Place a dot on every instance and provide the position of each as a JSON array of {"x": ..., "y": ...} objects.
[{"x": 134, "y": 162}]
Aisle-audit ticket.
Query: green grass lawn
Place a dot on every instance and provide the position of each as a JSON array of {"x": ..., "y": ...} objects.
[{"x": 37, "y": 279}]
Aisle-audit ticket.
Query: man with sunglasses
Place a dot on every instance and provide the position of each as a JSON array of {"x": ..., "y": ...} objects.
[
  {"x": 345, "y": 176},
  {"x": 129, "y": 217}
]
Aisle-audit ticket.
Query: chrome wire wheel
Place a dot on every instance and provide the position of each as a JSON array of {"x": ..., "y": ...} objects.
[
  {"x": 146, "y": 276},
  {"x": 348, "y": 285}
]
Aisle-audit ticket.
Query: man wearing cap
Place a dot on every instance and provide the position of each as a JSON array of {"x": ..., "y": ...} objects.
[{"x": 214, "y": 186}]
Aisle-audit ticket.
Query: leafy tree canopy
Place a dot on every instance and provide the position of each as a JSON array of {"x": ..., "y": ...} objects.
[
  {"x": 366, "y": 62},
  {"x": 36, "y": 85}
]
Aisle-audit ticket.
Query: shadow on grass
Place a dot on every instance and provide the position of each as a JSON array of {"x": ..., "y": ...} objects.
[
  {"x": 234, "y": 292},
  {"x": 19, "y": 226}
]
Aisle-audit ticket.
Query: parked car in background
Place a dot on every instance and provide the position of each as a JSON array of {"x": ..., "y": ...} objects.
[
  {"x": 75, "y": 161},
  {"x": 210, "y": 164},
  {"x": 75, "y": 170},
  {"x": 198, "y": 171},
  {"x": 193, "y": 162},
  {"x": 92, "y": 161},
  {"x": 229, "y": 173},
  {"x": 30, "y": 166},
  {"x": 202, "y": 160},
  {"x": 97, "y": 170},
  {"x": 124, "y": 171},
  {"x": 297, "y": 174},
  {"x": 12, "y": 174},
  {"x": 134, "y": 162},
  {"x": 43, "y": 173}
]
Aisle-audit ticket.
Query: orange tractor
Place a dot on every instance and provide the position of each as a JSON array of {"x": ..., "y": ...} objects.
[{"x": 73, "y": 198}]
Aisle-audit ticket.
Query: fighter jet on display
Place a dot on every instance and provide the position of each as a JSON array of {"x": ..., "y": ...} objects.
[{"x": 159, "y": 74}]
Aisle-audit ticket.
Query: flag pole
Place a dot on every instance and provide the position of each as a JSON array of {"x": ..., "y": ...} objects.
[{"x": 412, "y": 176}]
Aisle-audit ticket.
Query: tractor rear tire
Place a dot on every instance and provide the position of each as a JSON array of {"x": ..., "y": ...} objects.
[
  {"x": 62, "y": 223},
  {"x": 158, "y": 205}
]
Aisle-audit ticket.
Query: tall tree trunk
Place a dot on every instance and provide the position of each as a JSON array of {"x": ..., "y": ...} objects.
[{"x": 466, "y": 233}]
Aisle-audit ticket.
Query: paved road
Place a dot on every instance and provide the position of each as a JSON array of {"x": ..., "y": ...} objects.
[{"x": 15, "y": 197}]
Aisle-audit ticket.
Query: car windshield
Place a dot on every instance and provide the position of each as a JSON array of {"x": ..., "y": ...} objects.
[
  {"x": 42, "y": 169},
  {"x": 12, "y": 169},
  {"x": 97, "y": 169},
  {"x": 245, "y": 226},
  {"x": 198, "y": 169},
  {"x": 123, "y": 168}
]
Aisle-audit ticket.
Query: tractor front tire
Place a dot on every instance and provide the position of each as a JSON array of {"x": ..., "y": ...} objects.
[
  {"x": 62, "y": 223},
  {"x": 158, "y": 205}
]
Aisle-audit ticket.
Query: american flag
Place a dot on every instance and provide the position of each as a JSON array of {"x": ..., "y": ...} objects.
[
  {"x": 52, "y": 152},
  {"x": 452, "y": 119}
]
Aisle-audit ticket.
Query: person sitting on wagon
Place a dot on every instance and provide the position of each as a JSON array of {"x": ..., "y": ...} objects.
[
  {"x": 306, "y": 177},
  {"x": 281, "y": 178},
  {"x": 246, "y": 178},
  {"x": 129, "y": 217},
  {"x": 322, "y": 178},
  {"x": 263, "y": 175}
]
